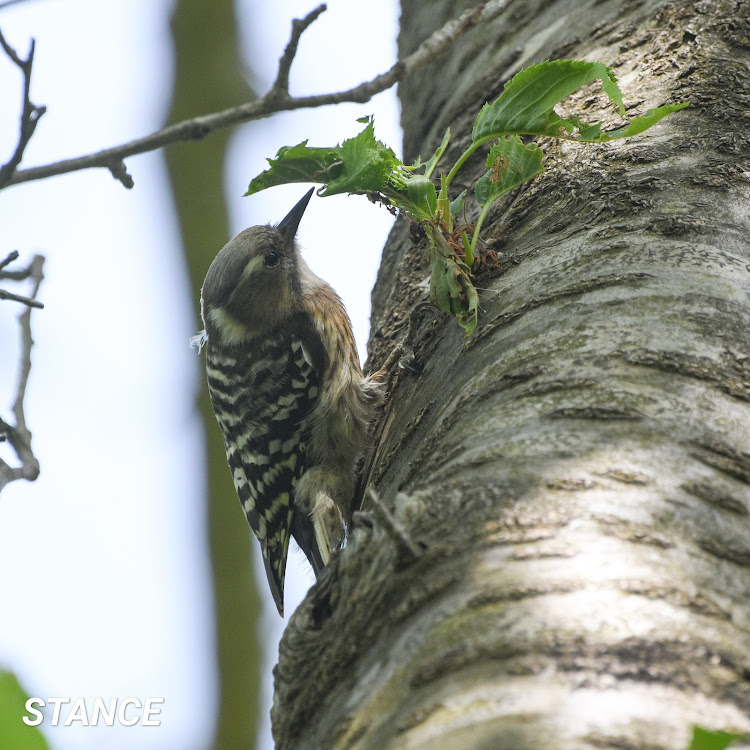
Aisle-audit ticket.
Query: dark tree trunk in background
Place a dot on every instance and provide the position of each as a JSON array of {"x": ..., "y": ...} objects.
[
  {"x": 578, "y": 469},
  {"x": 208, "y": 78}
]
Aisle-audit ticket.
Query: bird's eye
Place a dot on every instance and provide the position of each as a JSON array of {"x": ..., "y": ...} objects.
[{"x": 271, "y": 259}]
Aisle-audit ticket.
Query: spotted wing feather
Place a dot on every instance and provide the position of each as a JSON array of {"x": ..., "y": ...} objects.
[{"x": 262, "y": 396}]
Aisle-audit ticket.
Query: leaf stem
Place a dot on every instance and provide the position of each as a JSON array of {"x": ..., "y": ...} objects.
[
  {"x": 480, "y": 220},
  {"x": 469, "y": 255},
  {"x": 459, "y": 163},
  {"x": 444, "y": 205}
]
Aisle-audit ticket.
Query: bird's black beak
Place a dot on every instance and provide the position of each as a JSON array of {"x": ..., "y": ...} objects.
[{"x": 288, "y": 225}]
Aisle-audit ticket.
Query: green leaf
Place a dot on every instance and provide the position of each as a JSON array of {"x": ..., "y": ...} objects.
[
  {"x": 298, "y": 164},
  {"x": 422, "y": 197},
  {"x": 450, "y": 285},
  {"x": 429, "y": 166},
  {"x": 526, "y": 104},
  {"x": 468, "y": 250},
  {"x": 644, "y": 122},
  {"x": 363, "y": 164},
  {"x": 360, "y": 164},
  {"x": 367, "y": 164},
  {"x": 457, "y": 203},
  {"x": 510, "y": 164},
  {"x": 705, "y": 739},
  {"x": 14, "y": 733}
]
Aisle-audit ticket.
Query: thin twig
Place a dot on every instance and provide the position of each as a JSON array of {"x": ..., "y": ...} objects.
[
  {"x": 36, "y": 273},
  {"x": 20, "y": 275},
  {"x": 12, "y": 255},
  {"x": 280, "y": 87},
  {"x": 276, "y": 100},
  {"x": 18, "y": 435},
  {"x": 11, "y": 2},
  {"x": 120, "y": 172},
  {"x": 20, "y": 298},
  {"x": 30, "y": 113},
  {"x": 408, "y": 549}
]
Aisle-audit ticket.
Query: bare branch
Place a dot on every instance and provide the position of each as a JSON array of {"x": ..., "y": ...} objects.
[
  {"x": 18, "y": 435},
  {"x": 120, "y": 172},
  {"x": 439, "y": 41},
  {"x": 20, "y": 298},
  {"x": 280, "y": 88},
  {"x": 6, "y": 3},
  {"x": 11, "y": 257},
  {"x": 16, "y": 276},
  {"x": 276, "y": 100},
  {"x": 30, "y": 113}
]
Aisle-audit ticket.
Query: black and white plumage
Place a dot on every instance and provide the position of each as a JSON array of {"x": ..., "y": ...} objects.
[{"x": 287, "y": 391}]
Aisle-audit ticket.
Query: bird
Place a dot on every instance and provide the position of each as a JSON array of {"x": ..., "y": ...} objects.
[{"x": 288, "y": 392}]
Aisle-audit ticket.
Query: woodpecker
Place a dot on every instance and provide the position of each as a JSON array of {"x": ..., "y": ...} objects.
[{"x": 287, "y": 391}]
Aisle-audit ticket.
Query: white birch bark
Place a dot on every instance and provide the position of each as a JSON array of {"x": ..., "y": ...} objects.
[{"x": 577, "y": 471}]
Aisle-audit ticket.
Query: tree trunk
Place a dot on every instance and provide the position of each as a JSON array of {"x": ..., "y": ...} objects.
[
  {"x": 208, "y": 78},
  {"x": 576, "y": 472}
]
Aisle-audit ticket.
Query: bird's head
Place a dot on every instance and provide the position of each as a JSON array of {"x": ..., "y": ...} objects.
[{"x": 253, "y": 284}]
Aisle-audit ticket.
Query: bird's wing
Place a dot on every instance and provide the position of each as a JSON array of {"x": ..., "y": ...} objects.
[{"x": 261, "y": 400}]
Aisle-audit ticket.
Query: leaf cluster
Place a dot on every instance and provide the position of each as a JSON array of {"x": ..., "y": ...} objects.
[
  {"x": 707, "y": 739},
  {"x": 366, "y": 166}
]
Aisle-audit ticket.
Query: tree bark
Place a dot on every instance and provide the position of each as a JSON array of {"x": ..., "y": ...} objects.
[{"x": 576, "y": 472}]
